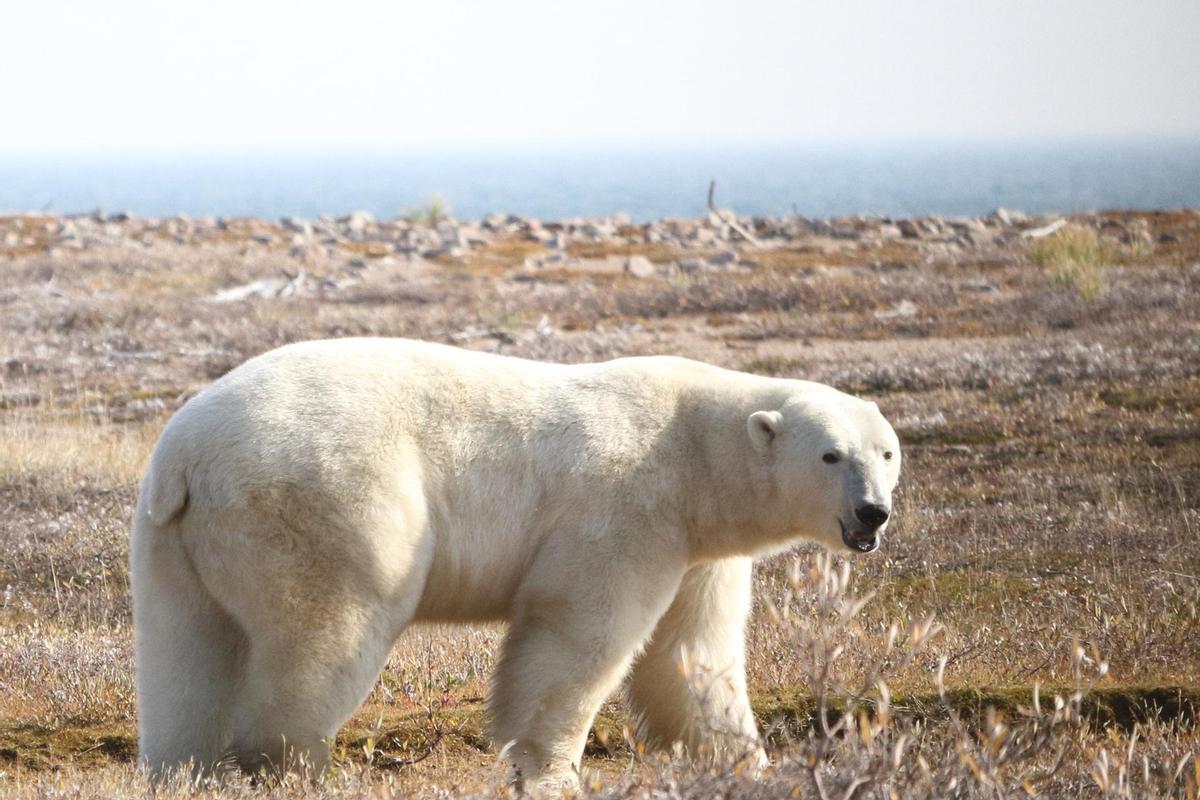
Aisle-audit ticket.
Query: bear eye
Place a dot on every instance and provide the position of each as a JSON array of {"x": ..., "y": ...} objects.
[
  {"x": 830, "y": 458},
  {"x": 887, "y": 455}
]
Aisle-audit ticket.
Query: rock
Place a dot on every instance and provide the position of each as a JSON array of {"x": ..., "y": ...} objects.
[
  {"x": 284, "y": 286},
  {"x": 690, "y": 265},
  {"x": 905, "y": 308},
  {"x": 968, "y": 225},
  {"x": 717, "y": 219},
  {"x": 67, "y": 235},
  {"x": 640, "y": 267},
  {"x": 909, "y": 229},
  {"x": 597, "y": 230},
  {"x": 1006, "y": 217},
  {"x": 452, "y": 236},
  {"x": 446, "y": 252},
  {"x": 889, "y": 231},
  {"x": 475, "y": 236},
  {"x": 535, "y": 231},
  {"x": 358, "y": 221},
  {"x": 723, "y": 258}
]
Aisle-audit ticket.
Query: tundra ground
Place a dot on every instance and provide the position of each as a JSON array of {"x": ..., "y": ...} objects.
[{"x": 1046, "y": 390}]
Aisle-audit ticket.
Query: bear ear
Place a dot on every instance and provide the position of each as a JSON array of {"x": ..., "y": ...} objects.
[{"x": 763, "y": 427}]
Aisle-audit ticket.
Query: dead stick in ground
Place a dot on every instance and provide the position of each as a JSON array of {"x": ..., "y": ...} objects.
[{"x": 727, "y": 217}]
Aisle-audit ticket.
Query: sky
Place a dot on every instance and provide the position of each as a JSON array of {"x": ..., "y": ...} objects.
[{"x": 155, "y": 77}]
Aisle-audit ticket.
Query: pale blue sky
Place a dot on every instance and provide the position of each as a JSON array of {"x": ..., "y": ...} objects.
[{"x": 142, "y": 76}]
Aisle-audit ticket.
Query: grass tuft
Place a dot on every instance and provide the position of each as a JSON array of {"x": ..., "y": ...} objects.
[{"x": 1076, "y": 258}]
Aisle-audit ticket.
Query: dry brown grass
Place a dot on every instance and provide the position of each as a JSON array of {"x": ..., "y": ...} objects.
[
  {"x": 64, "y": 454},
  {"x": 1052, "y": 455}
]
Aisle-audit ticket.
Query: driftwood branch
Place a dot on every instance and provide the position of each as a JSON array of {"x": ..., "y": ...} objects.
[
  {"x": 1045, "y": 230},
  {"x": 727, "y": 217}
]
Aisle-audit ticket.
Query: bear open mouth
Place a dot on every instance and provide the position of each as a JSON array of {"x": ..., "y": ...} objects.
[{"x": 859, "y": 541}]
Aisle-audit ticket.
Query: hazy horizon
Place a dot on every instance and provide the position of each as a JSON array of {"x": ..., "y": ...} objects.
[
  {"x": 879, "y": 145},
  {"x": 645, "y": 182}
]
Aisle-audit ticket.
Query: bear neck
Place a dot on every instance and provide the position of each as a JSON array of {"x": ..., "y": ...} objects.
[{"x": 731, "y": 505}]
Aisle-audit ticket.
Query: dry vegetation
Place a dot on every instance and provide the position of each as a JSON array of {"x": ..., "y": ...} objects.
[{"x": 1047, "y": 521}]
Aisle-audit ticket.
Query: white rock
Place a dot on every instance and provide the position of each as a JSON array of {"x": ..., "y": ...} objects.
[
  {"x": 597, "y": 230},
  {"x": 358, "y": 221},
  {"x": 1006, "y": 216},
  {"x": 905, "y": 308},
  {"x": 640, "y": 267}
]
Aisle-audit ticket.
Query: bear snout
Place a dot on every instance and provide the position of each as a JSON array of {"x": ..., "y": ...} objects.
[{"x": 872, "y": 515}]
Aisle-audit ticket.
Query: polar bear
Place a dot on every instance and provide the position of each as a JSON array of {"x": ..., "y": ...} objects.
[{"x": 309, "y": 505}]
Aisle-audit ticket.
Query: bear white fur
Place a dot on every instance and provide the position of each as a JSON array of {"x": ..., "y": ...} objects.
[{"x": 304, "y": 509}]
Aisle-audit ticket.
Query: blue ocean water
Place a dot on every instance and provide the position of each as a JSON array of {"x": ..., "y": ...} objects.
[{"x": 829, "y": 180}]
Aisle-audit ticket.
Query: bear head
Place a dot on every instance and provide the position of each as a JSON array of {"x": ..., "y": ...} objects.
[{"x": 831, "y": 462}]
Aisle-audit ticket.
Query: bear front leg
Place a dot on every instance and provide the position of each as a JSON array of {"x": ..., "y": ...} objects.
[
  {"x": 689, "y": 686},
  {"x": 576, "y": 626}
]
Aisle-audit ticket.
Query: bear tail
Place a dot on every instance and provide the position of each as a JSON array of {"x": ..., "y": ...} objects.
[{"x": 164, "y": 492}]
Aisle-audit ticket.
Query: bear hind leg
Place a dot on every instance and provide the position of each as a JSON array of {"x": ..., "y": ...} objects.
[
  {"x": 189, "y": 654},
  {"x": 300, "y": 687}
]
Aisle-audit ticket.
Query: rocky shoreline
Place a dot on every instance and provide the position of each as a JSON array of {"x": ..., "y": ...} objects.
[
  {"x": 446, "y": 236},
  {"x": 332, "y": 251}
]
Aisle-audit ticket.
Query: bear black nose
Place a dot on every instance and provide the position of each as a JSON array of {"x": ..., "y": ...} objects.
[{"x": 872, "y": 515}]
